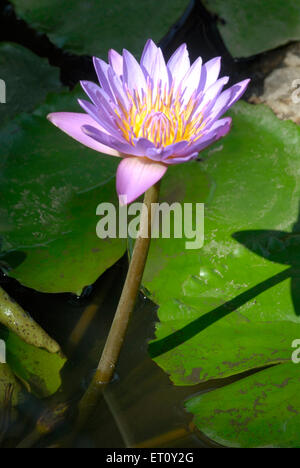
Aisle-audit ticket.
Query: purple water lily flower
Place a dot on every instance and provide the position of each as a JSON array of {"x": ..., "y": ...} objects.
[{"x": 152, "y": 114}]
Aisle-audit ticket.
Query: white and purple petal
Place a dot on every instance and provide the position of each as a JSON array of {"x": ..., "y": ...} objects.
[
  {"x": 71, "y": 123},
  {"x": 179, "y": 65},
  {"x": 96, "y": 94},
  {"x": 190, "y": 82},
  {"x": 159, "y": 74},
  {"x": 116, "y": 62},
  {"x": 219, "y": 108},
  {"x": 102, "y": 116},
  {"x": 101, "y": 68},
  {"x": 182, "y": 159},
  {"x": 135, "y": 176},
  {"x": 134, "y": 78},
  {"x": 117, "y": 88},
  {"x": 237, "y": 91},
  {"x": 226, "y": 100},
  {"x": 217, "y": 131},
  {"x": 210, "y": 73},
  {"x": 123, "y": 147},
  {"x": 210, "y": 96},
  {"x": 148, "y": 57}
]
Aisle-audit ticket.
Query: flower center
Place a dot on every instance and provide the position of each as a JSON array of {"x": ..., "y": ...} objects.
[
  {"x": 160, "y": 116},
  {"x": 156, "y": 128}
]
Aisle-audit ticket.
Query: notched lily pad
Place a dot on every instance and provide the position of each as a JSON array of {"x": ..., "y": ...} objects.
[
  {"x": 28, "y": 79},
  {"x": 262, "y": 410},
  {"x": 95, "y": 27},
  {"x": 248, "y": 27}
]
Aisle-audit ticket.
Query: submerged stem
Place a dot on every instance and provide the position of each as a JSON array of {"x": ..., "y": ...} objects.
[{"x": 116, "y": 336}]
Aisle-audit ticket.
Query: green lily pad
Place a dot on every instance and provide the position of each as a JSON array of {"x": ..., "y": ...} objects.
[
  {"x": 260, "y": 411},
  {"x": 52, "y": 187},
  {"x": 28, "y": 79},
  {"x": 9, "y": 388},
  {"x": 92, "y": 27},
  {"x": 248, "y": 27},
  {"x": 30, "y": 353},
  {"x": 229, "y": 306},
  {"x": 37, "y": 367}
]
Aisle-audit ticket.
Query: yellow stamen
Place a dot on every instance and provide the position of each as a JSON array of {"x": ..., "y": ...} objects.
[{"x": 164, "y": 120}]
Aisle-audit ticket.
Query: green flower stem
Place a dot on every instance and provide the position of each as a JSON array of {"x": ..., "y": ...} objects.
[
  {"x": 119, "y": 326},
  {"x": 117, "y": 333}
]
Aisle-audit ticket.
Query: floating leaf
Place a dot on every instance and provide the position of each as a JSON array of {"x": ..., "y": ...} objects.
[
  {"x": 37, "y": 367},
  {"x": 94, "y": 27},
  {"x": 248, "y": 27},
  {"x": 262, "y": 410},
  {"x": 9, "y": 388},
  {"x": 28, "y": 79},
  {"x": 20, "y": 322},
  {"x": 226, "y": 308},
  {"x": 52, "y": 188}
]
